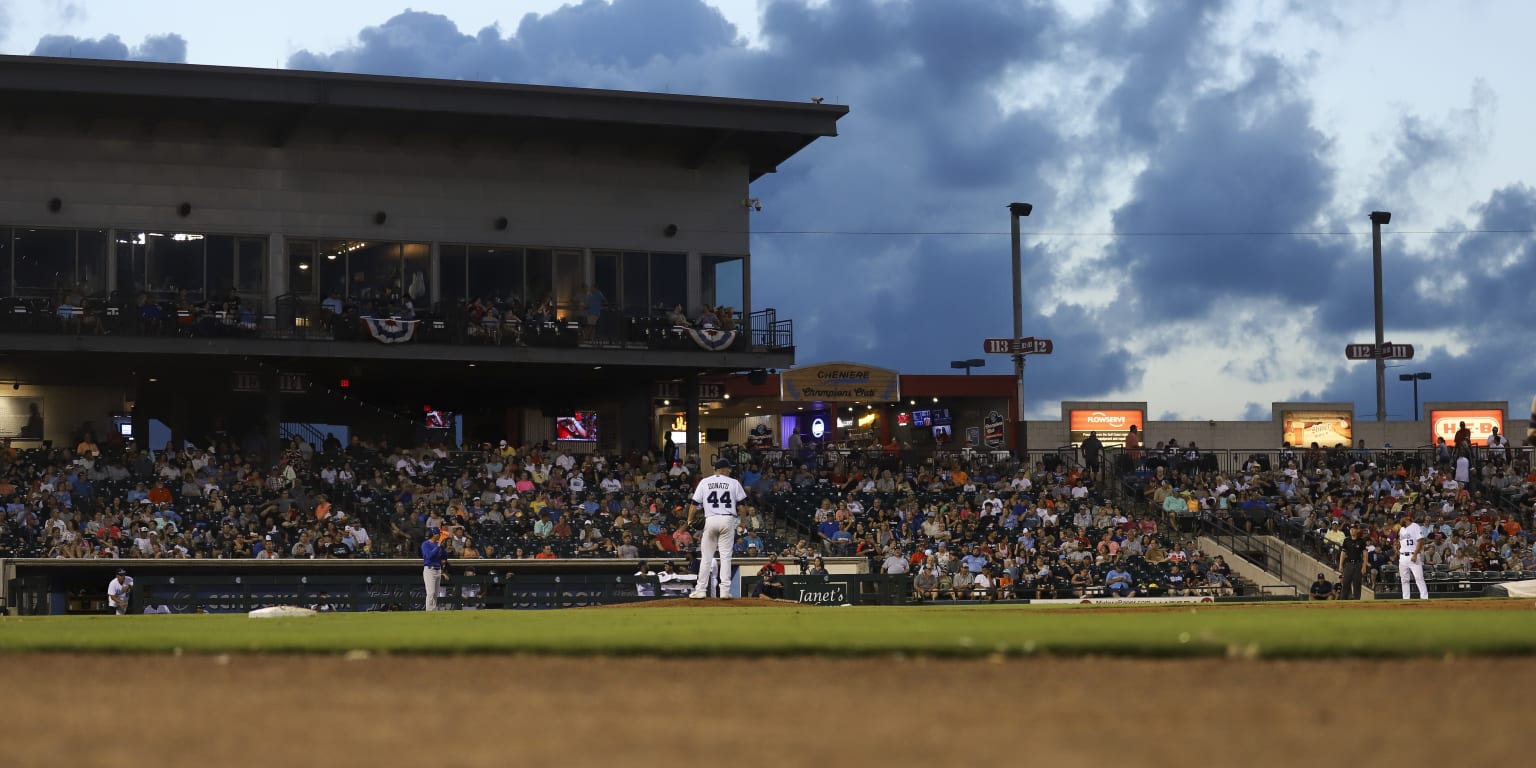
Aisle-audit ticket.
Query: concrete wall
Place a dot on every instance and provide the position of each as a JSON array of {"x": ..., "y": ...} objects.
[
  {"x": 1249, "y": 572},
  {"x": 597, "y": 197}
]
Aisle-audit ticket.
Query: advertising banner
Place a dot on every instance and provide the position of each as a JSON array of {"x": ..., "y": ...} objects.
[
  {"x": 1112, "y": 425},
  {"x": 1480, "y": 421},
  {"x": 1326, "y": 428},
  {"x": 992, "y": 430},
  {"x": 840, "y": 382}
]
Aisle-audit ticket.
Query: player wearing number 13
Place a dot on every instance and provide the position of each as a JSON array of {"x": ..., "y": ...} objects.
[
  {"x": 718, "y": 495},
  {"x": 1410, "y": 540}
]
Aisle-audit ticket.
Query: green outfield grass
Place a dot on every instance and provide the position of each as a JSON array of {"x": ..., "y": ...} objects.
[{"x": 1272, "y": 631}]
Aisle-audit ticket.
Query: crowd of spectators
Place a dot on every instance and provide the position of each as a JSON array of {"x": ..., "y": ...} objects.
[
  {"x": 113, "y": 499},
  {"x": 966, "y": 527},
  {"x": 1476, "y": 504}
]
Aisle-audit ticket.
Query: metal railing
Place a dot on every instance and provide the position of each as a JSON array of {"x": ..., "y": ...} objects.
[
  {"x": 769, "y": 332},
  {"x": 297, "y": 316}
]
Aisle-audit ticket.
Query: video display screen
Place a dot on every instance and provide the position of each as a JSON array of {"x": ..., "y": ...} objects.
[{"x": 579, "y": 427}]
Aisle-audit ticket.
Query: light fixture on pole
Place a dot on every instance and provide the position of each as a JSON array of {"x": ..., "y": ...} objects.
[
  {"x": 1378, "y": 218},
  {"x": 1017, "y": 211},
  {"x": 974, "y": 362},
  {"x": 1415, "y": 378}
]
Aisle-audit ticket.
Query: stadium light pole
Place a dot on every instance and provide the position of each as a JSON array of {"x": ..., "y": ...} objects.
[
  {"x": 974, "y": 362},
  {"x": 1415, "y": 378},
  {"x": 1017, "y": 211},
  {"x": 1379, "y": 218}
]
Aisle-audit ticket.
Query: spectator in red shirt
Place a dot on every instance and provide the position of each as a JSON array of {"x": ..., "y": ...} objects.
[
  {"x": 664, "y": 541},
  {"x": 160, "y": 494}
]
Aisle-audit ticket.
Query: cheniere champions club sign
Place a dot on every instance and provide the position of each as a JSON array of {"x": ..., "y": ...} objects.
[{"x": 839, "y": 382}]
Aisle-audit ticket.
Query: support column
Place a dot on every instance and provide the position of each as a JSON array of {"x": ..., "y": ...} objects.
[
  {"x": 111, "y": 281},
  {"x": 691, "y": 400},
  {"x": 694, "y": 268},
  {"x": 435, "y": 276},
  {"x": 272, "y": 424},
  {"x": 277, "y": 271}
]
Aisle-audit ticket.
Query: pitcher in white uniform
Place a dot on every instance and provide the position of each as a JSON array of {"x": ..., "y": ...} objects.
[
  {"x": 718, "y": 495},
  {"x": 1410, "y": 540}
]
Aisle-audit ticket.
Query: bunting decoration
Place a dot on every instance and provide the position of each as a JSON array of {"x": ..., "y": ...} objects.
[
  {"x": 387, "y": 330},
  {"x": 711, "y": 339}
]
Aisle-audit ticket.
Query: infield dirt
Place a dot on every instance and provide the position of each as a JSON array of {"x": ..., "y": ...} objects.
[{"x": 104, "y": 710}]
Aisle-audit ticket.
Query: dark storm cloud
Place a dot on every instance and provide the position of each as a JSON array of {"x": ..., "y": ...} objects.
[
  {"x": 1164, "y": 54},
  {"x": 1247, "y": 160},
  {"x": 171, "y": 48},
  {"x": 605, "y": 34},
  {"x": 419, "y": 44}
]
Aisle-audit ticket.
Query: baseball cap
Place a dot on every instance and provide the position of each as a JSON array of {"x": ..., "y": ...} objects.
[
  {"x": 122, "y": 572},
  {"x": 722, "y": 463}
]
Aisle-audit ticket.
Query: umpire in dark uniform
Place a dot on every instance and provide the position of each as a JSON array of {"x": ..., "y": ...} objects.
[{"x": 1352, "y": 564}]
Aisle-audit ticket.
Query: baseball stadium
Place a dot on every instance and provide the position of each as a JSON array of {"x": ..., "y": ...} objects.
[{"x": 364, "y": 420}]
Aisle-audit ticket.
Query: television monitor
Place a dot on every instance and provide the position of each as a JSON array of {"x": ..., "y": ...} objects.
[
  {"x": 437, "y": 419},
  {"x": 941, "y": 417},
  {"x": 943, "y": 433},
  {"x": 922, "y": 418},
  {"x": 579, "y": 427}
]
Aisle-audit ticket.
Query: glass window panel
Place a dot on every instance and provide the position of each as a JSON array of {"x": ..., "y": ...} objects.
[
  {"x": 45, "y": 261},
  {"x": 637, "y": 284},
  {"x": 251, "y": 266},
  {"x": 91, "y": 262},
  {"x": 374, "y": 271},
  {"x": 570, "y": 279},
  {"x": 176, "y": 264},
  {"x": 605, "y": 272},
  {"x": 416, "y": 263},
  {"x": 5, "y": 261},
  {"x": 496, "y": 273},
  {"x": 724, "y": 281},
  {"x": 669, "y": 279},
  {"x": 301, "y": 267},
  {"x": 331, "y": 267},
  {"x": 130, "y": 263},
  {"x": 541, "y": 278},
  {"x": 220, "y": 267},
  {"x": 453, "y": 272}
]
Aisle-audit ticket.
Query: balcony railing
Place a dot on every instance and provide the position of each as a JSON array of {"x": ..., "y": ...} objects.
[{"x": 303, "y": 318}]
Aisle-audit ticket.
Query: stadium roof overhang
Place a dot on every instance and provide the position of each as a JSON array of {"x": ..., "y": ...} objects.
[{"x": 281, "y": 103}]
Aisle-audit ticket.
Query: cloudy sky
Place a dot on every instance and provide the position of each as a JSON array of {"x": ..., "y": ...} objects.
[{"x": 1201, "y": 171}]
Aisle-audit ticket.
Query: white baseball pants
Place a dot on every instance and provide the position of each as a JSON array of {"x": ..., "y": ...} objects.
[
  {"x": 1408, "y": 569},
  {"x": 719, "y": 536},
  {"x": 431, "y": 577}
]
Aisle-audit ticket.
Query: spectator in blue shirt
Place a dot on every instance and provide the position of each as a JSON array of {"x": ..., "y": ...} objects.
[
  {"x": 975, "y": 561},
  {"x": 827, "y": 529},
  {"x": 1119, "y": 583},
  {"x": 750, "y": 476},
  {"x": 753, "y": 540}
]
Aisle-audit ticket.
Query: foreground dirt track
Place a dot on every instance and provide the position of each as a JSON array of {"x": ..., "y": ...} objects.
[{"x": 500, "y": 711}]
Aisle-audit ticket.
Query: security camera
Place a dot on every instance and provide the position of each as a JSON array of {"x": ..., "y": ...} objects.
[{"x": 753, "y": 203}]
